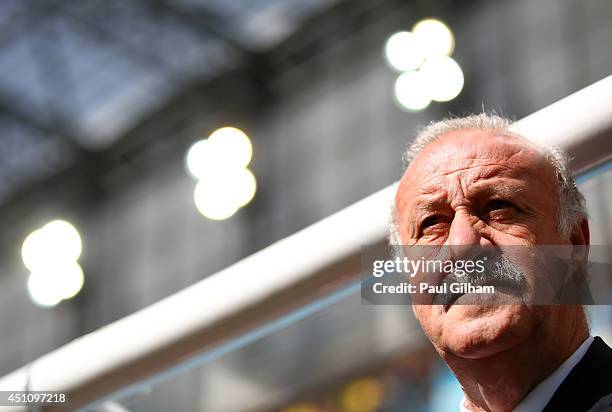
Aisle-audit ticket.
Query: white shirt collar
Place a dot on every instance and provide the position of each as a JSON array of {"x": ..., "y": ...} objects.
[{"x": 537, "y": 399}]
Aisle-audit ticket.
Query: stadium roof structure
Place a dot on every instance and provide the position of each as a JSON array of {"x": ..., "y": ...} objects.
[{"x": 76, "y": 76}]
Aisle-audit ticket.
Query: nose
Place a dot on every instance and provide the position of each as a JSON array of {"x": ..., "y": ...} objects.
[
  {"x": 464, "y": 231},
  {"x": 464, "y": 240}
]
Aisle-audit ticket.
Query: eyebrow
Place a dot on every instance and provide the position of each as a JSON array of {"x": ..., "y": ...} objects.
[
  {"x": 503, "y": 190},
  {"x": 438, "y": 199},
  {"x": 426, "y": 206}
]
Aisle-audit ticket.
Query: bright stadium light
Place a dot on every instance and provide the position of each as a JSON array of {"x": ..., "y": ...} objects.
[
  {"x": 411, "y": 91},
  {"x": 43, "y": 290},
  {"x": 33, "y": 246},
  {"x": 212, "y": 202},
  {"x": 246, "y": 186},
  {"x": 404, "y": 52},
  {"x": 444, "y": 78},
  {"x": 429, "y": 73},
  {"x": 219, "y": 163},
  {"x": 70, "y": 279},
  {"x": 435, "y": 37},
  {"x": 220, "y": 197},
  {"x": 54, "y": 244},
  {"x": 50, "y": 286},
  {"x": 201, "y": 159},
  {"x": 226, "y": 147},
  {"x": 51, "y": 253},
  {"x": 233, "y": 146}
]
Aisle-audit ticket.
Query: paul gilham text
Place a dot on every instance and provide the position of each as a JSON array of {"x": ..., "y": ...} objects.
[{"x": 423, "y": 287}]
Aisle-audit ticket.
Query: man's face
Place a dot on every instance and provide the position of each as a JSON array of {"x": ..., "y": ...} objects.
[{"x": 477, "y": 188}]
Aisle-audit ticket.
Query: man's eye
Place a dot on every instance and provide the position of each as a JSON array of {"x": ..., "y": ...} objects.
[
  {"x": 499, "y": 204},
  {"x": 431, "y": 221}
]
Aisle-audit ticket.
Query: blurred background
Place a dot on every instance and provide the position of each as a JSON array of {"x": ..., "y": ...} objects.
[{"x": 298, "y": 108}]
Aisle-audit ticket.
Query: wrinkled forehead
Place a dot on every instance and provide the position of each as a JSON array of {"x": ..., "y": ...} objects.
[{"x": 475, "y": 150}]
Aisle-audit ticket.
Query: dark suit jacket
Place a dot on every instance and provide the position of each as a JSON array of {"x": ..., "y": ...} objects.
[{"x": 587, "y": 383}]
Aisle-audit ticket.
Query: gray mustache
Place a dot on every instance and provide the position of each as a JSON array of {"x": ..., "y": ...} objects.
[{"x": 499, "y": 272}]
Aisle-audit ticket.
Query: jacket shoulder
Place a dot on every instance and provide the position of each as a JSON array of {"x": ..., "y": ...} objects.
[{"x": 588, "y": 382}]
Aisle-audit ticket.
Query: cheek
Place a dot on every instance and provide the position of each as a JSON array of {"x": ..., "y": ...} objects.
[
  {"x": 549, "y": 235},
  {"x": 429, "y": 319},
  {"x": 540, "y": 229},
  {"x": 518, "y": 234}
]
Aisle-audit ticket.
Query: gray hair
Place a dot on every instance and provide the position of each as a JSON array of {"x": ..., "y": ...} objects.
[{"x": 571, "y": 206}]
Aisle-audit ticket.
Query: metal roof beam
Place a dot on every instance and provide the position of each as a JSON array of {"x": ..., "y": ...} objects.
[
  {"x": 200, "y": 20},
  {"x": 13, "y": 111}
]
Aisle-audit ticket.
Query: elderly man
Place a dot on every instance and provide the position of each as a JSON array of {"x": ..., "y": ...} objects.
[{"x": 472, "y": 182}]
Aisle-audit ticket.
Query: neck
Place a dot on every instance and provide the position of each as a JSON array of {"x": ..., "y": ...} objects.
[{"x": 499, "y": 382}]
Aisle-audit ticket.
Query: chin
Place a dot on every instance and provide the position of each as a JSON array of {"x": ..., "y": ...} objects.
[{"x": 477, "y": 331}]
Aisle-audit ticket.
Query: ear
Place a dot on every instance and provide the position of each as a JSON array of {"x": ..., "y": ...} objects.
[{"x": 581, "y": 234}]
